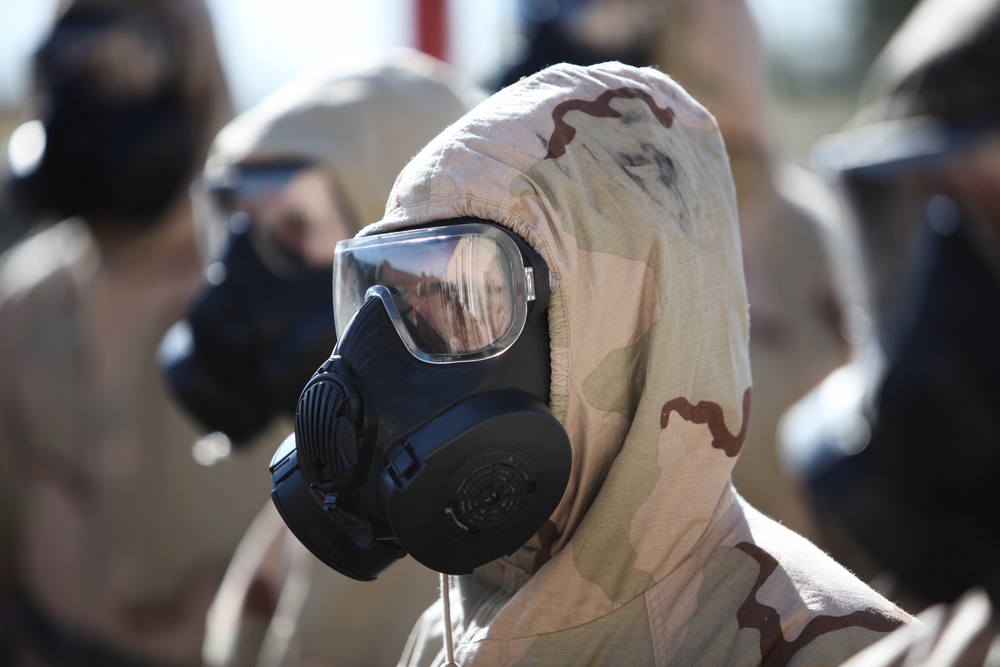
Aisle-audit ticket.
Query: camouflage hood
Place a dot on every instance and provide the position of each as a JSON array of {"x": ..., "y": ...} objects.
[
  {"x": 622, "y": 184},
  {"x": 334, "y": 116},
  {"x": 621, "y": 181}
]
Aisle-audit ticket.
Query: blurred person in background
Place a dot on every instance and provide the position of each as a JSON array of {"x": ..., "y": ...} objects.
[
  {"x": 900, "y": 449},
  {"x": 798, "y": 275},
  {"x": 284, "y": 181},
  {"x": 114, "y": 539}
]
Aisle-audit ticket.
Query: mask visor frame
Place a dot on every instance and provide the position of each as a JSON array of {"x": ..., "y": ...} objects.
[{"x": 356, "y": 269}]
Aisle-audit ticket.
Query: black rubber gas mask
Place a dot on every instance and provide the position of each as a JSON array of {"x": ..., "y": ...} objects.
[
  {"x": 427, "y": 431},
  {"x": 114, "y": 138},
  {"x": 262, "y": 318}
]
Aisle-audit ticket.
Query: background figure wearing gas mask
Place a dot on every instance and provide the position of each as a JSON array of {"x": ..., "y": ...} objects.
[
  {"x": 284, "y": 181},
  {"x": 901, "y": 448},
  {"x": 575, "y": 470},
  {"x": 114, "y": 538},
  {"x": 791, "y": 228}
]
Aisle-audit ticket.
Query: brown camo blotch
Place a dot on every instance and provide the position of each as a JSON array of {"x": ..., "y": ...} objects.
[
  {"x": 775, "y": 650},
  {"x": 563, "y": 132},
  {"x": 707, "y": 412},
  {"x": 547, "y": 536}
]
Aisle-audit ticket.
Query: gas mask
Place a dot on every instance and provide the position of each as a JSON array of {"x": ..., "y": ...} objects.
[
  {"x": 924, "y": 417},
  {"x": 427, "y": 431},
  {"x": 114, "y": 139},
  {"x": 262, "y": 318}
]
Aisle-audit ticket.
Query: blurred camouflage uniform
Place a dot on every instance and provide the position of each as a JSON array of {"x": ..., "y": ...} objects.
[{"x": 114, "y": 538}]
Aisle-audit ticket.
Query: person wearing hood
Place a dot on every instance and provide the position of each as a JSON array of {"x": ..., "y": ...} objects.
[
  {"x": 900, "y": 449},
  {"x": 114, "y": 538},
  {"x": 565, "y": 461},
  {"x": 284, "y": 181}
]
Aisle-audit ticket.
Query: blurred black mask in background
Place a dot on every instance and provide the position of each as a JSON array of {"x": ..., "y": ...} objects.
[
  {"x": 113, "y": 139},
  {"x": 251, "y": 341}
]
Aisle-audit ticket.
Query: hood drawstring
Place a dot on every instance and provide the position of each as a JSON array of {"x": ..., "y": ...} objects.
[{"x": 449, "y": 647}]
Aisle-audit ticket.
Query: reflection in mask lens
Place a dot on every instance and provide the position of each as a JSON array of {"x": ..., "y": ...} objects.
[
  {"x": 456, "y": 293},
  {"x": 464, "y": 307}
]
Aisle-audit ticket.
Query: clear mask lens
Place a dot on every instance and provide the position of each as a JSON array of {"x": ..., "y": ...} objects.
[
  {"x": 294, "y": 210},
  {"x": 456, "y": 293}
]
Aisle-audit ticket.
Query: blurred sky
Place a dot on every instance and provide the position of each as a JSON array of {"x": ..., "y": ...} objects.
[{"x": 266, "y": 42}]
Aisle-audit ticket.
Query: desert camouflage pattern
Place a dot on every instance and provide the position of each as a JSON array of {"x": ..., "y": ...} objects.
[
  {"x": 963, "y": 633},
  {"x": 621, "y": 181}
]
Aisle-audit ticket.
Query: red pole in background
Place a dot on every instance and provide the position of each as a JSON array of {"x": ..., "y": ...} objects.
[{"x": 432, "y": 27}]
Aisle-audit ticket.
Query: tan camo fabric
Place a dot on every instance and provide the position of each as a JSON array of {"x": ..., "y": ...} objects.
[{"x": 621, "y": 181}]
